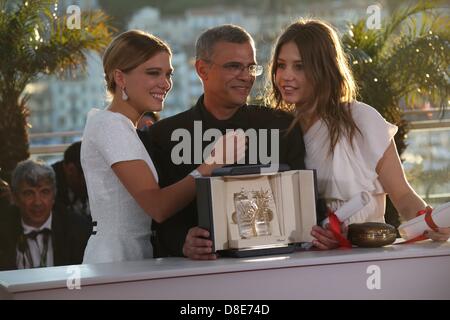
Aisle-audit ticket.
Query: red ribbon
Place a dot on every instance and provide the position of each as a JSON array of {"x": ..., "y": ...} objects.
[
  {"x": 429, "y": 221},
  {"x": 335, "y": 227}
]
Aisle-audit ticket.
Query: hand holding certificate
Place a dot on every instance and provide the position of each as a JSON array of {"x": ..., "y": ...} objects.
[
  {"x": 433, "y": 219},
  {"x": 348, "y": 209}
]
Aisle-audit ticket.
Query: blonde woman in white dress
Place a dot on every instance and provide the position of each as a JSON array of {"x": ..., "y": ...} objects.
[
  {"x": 121, "y": 179},
  {"x": 348, "y": 142}
]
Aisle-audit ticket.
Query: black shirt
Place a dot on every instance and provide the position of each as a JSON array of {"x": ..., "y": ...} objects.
[{"x": 169, "y": 236}]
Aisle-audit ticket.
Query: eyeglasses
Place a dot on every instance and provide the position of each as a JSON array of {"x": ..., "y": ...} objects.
[{"x": 235, "y": 68}]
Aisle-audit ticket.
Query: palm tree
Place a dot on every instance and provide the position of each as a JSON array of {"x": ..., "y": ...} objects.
[
  {"x": 404, "y": 61},
  {"x": 34, "y": 41}
]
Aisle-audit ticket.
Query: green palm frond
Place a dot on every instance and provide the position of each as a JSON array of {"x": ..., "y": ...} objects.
[
  {"x": 361, "y": 42},
  {"x": 43, "y": 43},
  {"x": 396, "y": 22},
  {"x": 419, "y": 66},
  {"x": 35, "y": 41},
  {"x": 406, "y": 58}
]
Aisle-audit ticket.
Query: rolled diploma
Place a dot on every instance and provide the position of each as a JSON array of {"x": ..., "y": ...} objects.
[
  {"x": 349, "y": 208},
  {"x": 416, "y": 227}
]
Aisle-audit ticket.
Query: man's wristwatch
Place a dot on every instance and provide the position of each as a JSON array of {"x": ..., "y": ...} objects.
[{"x": 196, "y": 174}]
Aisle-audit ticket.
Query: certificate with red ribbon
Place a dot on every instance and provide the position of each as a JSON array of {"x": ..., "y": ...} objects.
[
  {"x": 337, "y": 218},
  {"x": 427, "y": 219}
]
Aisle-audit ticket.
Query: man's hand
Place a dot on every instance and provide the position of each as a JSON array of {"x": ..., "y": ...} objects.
[
  {"x": 197, "y": 246},
  {"x": 229, "y": 148}
]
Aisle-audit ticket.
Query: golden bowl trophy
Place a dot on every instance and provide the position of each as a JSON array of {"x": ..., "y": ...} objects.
[{"x": 371, "y": 234}]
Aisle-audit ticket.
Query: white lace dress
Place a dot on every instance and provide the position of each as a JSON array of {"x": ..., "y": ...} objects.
[
  {"x": 123, "y": 228},
  {"x": 351, "y": 171}
]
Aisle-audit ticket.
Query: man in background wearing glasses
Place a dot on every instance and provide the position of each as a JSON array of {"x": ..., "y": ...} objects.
[{"x": 226, "y": 65}]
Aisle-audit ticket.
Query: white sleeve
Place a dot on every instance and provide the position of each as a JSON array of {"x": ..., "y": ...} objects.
[
  {"x": 116, "y": 140},
  {"x": 377, "y": 133}
]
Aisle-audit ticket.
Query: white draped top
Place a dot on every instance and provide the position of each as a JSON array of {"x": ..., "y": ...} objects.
[{"x": 351, "y": 170}]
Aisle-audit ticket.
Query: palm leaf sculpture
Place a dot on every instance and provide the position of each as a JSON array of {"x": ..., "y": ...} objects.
[{"x": 34, "y": 41}]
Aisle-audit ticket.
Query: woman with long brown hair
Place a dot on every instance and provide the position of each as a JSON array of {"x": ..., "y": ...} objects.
[{"x": 348, "y": 142}]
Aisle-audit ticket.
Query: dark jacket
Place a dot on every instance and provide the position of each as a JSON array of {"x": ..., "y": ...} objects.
[
  {"x": 169, "y": 236},
  {"x": 70, "y": 233},
  {"x": 65, "y": 197}
]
